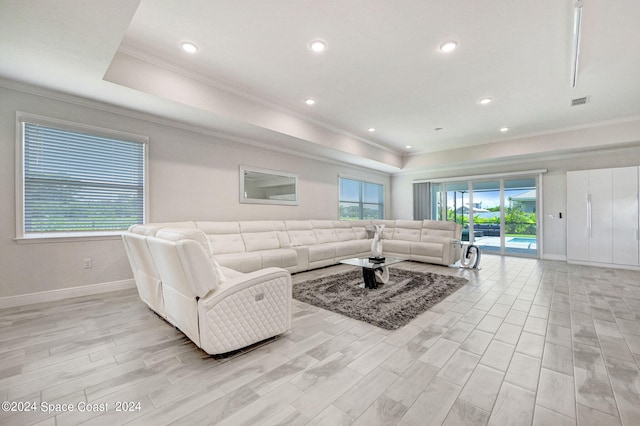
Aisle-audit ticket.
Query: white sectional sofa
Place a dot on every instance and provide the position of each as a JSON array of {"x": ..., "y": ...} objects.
[
  {"x": 300, "y": 245},
  {"x": 227, "y": 285}
]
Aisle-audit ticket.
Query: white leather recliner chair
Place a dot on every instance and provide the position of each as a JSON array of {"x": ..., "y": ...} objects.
[{"x": 219, "y": 309}]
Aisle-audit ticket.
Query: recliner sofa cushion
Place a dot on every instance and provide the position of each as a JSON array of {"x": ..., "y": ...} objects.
[
  {"x": 427, "y": 249},
  {"x": 281, "y": 258},
  {"x": 224, "y": 237},
  {"x": 145, "y": 229},
  {"x": 359, "y": 228},
  {"x": 259, "y": 235},
  {"x": 300, "y": 232},
  {"x": 325, "y": 236},
  {"x": 255, "y": 241},
  {"x": 438, "y": 228},
  {"x": 176, "y": 235},
  {"x": 407, "y": 230},
  {"x": 343, "y": 230}
]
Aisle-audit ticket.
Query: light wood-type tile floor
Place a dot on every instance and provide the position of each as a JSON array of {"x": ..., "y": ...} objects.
[{"x": 526, "y": 342}]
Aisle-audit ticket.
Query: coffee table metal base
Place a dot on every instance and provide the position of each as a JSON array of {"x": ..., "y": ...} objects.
[
  {"x": 373, "y": 273},
  {"x": 369, "y": 276}
]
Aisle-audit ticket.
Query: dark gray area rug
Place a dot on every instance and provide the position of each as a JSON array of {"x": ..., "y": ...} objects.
[{"x": 390, "y": 306}]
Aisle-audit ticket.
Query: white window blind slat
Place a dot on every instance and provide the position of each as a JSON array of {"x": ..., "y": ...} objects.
[{"x": 75, "y": 181}]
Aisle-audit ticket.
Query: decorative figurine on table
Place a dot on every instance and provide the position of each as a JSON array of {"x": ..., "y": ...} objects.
[{"x": 376, "y": 245}]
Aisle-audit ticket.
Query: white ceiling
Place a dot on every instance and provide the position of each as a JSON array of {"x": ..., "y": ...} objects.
[{"x": 382, "y": 69}]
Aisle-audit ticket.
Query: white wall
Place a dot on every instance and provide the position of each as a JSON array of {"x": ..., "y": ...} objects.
[
  {"x": 192, "y": 176},
  {"x": 553, "y": 186}
]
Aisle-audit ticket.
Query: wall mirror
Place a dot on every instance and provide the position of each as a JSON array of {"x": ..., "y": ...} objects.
[{"x": 260, "y": 186}]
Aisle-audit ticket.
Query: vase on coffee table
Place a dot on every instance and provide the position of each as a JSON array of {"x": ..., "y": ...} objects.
[{"x": 376, "y": 244}]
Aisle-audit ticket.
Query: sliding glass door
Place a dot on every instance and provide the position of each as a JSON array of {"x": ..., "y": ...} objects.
[
  {"x": 487, "y": 231},
  {"x": 497, "y": 215},
  {"x": 520, "y": 220},
  {"x": 456, "y": 202}
]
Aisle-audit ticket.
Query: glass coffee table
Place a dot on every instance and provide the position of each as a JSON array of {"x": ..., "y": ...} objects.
[{"x": 373, "y": 272}]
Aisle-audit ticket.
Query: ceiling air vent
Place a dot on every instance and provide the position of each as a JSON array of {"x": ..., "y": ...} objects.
[{"x": 579, "y": 101}]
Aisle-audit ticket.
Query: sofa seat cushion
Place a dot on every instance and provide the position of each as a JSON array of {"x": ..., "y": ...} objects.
[
  {"x": 434, "y": 249},
  {"x": 321, "y": 252},
  {"x": 396, "y": 247},
  {"x": 281, "y": 258},
  {"x": 346, "y": 249},
  {"x": 243, "y": 262}
]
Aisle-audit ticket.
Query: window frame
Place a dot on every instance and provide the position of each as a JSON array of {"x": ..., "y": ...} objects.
[
  {"x": 21, "y": 235},
  {"x": 361, "y": 202}
]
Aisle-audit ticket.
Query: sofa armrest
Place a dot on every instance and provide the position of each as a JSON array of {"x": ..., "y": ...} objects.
[
  {"x": 245, "y": 310},
  {"x": 242, "y": 282}
]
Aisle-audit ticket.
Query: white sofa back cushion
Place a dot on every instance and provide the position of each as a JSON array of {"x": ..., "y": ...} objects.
[
  {"x": 438, "y": 228},
  {"x": 407, "y": 230},
  {"x": 300, "y": 232},
  {"x": 259, "y": 235},
  {"x": 224, "y": 237},
  {"x": 343, "y": 230},
  {"x": 360, "y": 228},
  {"x": 144, "y": 229},
  {"x": 172, "y": 234},
  {"x": 324, "y": 232}
]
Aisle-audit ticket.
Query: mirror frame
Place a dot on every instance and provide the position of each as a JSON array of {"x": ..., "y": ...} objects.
[{"x": 245, "y": 199}]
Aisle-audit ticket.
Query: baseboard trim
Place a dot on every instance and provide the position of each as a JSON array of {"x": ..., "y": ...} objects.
[
  {"x": 64, "y": 293},
  {"x": 604, "y": 265}
]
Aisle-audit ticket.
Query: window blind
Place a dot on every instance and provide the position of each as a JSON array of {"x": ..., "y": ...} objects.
[{"x": 75, "y": 181}]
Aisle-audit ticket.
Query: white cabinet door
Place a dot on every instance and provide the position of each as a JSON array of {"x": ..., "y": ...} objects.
[
  {"x": 625, "y": 216},
  {"x": 577, "y": 215},
  {"x": 601, "y": 215}
]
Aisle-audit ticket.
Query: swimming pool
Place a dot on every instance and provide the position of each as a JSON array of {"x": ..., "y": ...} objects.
[{"x": 522, "y": 240}]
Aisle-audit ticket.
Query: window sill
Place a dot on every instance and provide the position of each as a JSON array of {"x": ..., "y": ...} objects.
[{"x": 65, "y": 237}]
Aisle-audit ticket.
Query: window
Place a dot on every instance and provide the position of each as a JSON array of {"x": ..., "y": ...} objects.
[
  {"x": 78, "y": 180},
  {"x": 361, "y": 200}
]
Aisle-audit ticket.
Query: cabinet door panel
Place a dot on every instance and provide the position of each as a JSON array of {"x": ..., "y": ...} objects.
[
  {"x": 625, "y": 216},
  {"x": 577, "y": 236},
  {"x": 601, "y": 217}
]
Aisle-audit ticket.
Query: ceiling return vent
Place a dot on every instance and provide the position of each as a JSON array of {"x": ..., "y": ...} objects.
[{"x": 579, "y": 101}]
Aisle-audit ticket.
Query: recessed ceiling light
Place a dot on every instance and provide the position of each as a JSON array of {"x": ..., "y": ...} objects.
[
  {"x": 310, "y": 101},
  {"x": 408, "y": 146},
  {"x": 317, "y": 45},
  {"x": 371, "y": 129},
  {"x": 189, "y": 47},
  {"x": 448, "y": 46},
  {"x": 485, "y": 101},
  {"x": 504, "y": 129}
]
